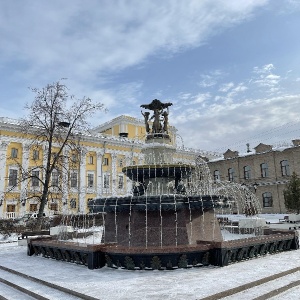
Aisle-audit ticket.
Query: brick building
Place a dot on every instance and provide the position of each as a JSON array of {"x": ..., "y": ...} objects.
[{"x": 265, "y": 171}]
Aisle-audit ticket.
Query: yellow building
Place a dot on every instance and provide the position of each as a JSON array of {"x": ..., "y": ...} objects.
[{"x": 94, "y": 172}]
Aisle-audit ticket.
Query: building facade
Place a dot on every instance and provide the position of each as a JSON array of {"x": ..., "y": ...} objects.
[
  {"x": 94, "y": 172},
  {"x": 265, "y": 171}
]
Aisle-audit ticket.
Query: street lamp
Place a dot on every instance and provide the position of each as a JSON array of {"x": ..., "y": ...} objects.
[{"x": 255, "y": 185}]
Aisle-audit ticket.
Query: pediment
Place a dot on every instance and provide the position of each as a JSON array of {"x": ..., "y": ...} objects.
[
  {"x": 230, "y": 154},
  {"x": 262, "y": 148}
]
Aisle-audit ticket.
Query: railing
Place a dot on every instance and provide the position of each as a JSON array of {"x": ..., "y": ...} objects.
[{"x": 10, "y": 215}]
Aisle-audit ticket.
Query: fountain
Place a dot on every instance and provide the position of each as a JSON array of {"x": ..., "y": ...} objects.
[{"x": 171, "y": 218}]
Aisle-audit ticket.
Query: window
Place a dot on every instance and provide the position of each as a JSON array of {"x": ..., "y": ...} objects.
[
  {"x": 12, "y": 177},
  {"x": 10, "y": 208},
  {"x": 264, "y": 170},
  {"x": 121, "y": 162},
  {"x": 73, "y": 180},
  {"x": 54, "y": 178},
  {"x": 231, "y": 174},
  {"x": 90, "y": 201},
  {"x": 91, "y": 159},
  {"x": 32, "y": 207},
  {"x": 35, "y": 155},
  {"x": 267, "y": 199},
  {"x": 105, "y": 161},
  {"x": 53, "y": 206},
  {"x": 73, "y": 203},
  {"x": 35, "y": 182},
  {"x": 106, "y": 181},
  {"x": 247, "y": 172},
  {"x": 74, "y": 158},
  {"x": 120, "y": 182},
  {"x": 14, "y": 153},
  {"x": 90, "y": 180},
  {"x": 285, "y": 168},
  {"x": 217, "y": 176}
]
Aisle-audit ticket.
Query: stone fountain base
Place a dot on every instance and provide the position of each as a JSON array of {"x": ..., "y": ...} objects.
[{"x": 165, "y": 257}]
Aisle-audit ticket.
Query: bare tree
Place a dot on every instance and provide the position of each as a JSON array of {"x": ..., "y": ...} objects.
[{"x": 54, "y": 124}]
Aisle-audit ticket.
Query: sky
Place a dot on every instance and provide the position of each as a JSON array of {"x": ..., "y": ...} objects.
[{"x": 230, "y": 68}]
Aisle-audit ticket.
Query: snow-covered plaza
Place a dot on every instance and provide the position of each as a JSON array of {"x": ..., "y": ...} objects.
[{"x": 193, "y": 283}]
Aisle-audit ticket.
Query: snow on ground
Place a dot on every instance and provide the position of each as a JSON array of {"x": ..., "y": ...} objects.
[
  {"x": 187, "y": 284},
  {"x": 119, "y": 284}
]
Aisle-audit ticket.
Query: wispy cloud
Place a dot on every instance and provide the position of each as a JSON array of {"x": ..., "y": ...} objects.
[
  {"x": 231, "y": 122},
  {"x": 48, "y": 40},
  {"x": 227, "y": 115},
  {"x": 226, "y": 87}
]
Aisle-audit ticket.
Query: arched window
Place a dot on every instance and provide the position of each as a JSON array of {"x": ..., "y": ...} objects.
[
  {"x": 217, "y": 176},
  {"x": 247, "y": 172},
  {"x": 267, "y": 199},
  {"x": 264, "y": 170},
  {"x": 285, "y": 168},
  {"x": 231, "y": 174}
]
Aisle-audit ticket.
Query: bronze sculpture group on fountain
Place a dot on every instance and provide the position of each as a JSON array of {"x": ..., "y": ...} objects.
[{"x": 160, "y": 117}]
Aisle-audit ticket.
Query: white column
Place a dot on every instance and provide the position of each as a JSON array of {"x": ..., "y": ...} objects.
[
  {"x": 24, "y": 183},
  {"x": 141, "y": 159},
  {"x": 3, "y": 150},
  {"x": 82, "y": 182},
  {"x": 99, "y": 173},
  {"x": 114, "y": 174},
  {"x": 127, "y": 181},
  {"x": 64, "y": 184}
]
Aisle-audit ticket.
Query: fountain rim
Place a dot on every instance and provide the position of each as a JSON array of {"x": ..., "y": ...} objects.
[{"x": 156, "y": 166}]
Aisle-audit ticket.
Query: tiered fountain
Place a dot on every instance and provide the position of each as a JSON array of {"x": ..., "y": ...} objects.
[
  {"x": 163, "y": 210},
  {"x": 170, "y": 220}
]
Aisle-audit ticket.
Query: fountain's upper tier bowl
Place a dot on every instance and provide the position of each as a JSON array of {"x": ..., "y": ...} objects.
[
  {"x": 157, "y": 203},
  {"x": 142, "y": 172}
]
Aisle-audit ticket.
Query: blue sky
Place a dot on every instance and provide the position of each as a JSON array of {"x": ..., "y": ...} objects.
[{"x": 230, "y": 68}]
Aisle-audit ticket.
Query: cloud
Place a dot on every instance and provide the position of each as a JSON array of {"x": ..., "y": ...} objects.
[
  {"x": 241, "y": 112},
  {"x": 226, "y": 87},
  {"x": 101, "y": 38},
  {"x": 112, "y": 35},
  {"x": 210, "y": 79},
  {"x": 200, "y": 98},
  {"x": 92, "y": 43},
  {"x": 265, "y": 78},
  {"x": 266, "y": 69},
  {"x": 238, "y": 123}
]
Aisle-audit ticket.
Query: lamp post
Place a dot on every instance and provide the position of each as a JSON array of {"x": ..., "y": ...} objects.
[{"x": 255, "y": 186}]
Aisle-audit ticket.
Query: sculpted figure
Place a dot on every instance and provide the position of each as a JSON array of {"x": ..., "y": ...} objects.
[
  {"x": 146, "y": 117},
  {"x": 165, "y": 114},
  {"x": 156, "y": 127}
]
